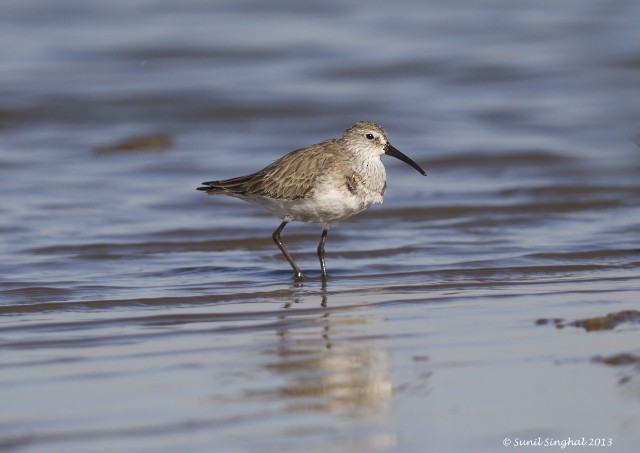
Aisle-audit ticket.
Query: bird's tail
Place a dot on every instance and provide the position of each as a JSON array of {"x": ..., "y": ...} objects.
[
  {"x": 211, "y": 189},
  {"x": 227, "y": 186}
]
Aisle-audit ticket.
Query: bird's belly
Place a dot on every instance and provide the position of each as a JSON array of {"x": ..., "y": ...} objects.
[{"x": 323, "y": 206}]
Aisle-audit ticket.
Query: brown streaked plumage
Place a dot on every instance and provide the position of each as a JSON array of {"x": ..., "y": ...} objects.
[
  {"x": 289, "y": 178},
  {"x": 325, "y": 182}
]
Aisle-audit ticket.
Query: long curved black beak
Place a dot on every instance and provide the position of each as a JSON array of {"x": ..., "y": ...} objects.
[{"x": 391, "y": 151}]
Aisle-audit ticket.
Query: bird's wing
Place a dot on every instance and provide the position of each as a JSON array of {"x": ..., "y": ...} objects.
[{"x": 290, "y": 177}]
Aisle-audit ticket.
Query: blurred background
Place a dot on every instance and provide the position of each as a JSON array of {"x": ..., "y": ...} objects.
[{"x": 525, "y": 116}]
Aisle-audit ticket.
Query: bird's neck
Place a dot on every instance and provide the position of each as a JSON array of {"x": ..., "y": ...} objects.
[{"x": 371, "y": 172}]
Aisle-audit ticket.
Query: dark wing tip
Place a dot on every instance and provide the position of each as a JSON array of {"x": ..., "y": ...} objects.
[{"x": 207, "y": 185}]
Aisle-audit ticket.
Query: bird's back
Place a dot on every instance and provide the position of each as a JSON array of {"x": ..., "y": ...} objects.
[{"x": 291, "y": 177}]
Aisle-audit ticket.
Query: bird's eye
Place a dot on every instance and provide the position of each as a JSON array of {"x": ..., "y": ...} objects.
[{"x": 369, "y": 136}]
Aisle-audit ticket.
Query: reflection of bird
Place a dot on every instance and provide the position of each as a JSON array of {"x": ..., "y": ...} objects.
[{"x": 325, "y": 182}]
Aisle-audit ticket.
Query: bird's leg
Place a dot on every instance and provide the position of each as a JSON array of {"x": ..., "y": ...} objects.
[
  {"x": 323, "y": 238},
  {"x": 297, "y": 273}
]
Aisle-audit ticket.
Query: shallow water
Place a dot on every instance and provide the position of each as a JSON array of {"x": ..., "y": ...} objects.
[{"x": 137, "y": 314}]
